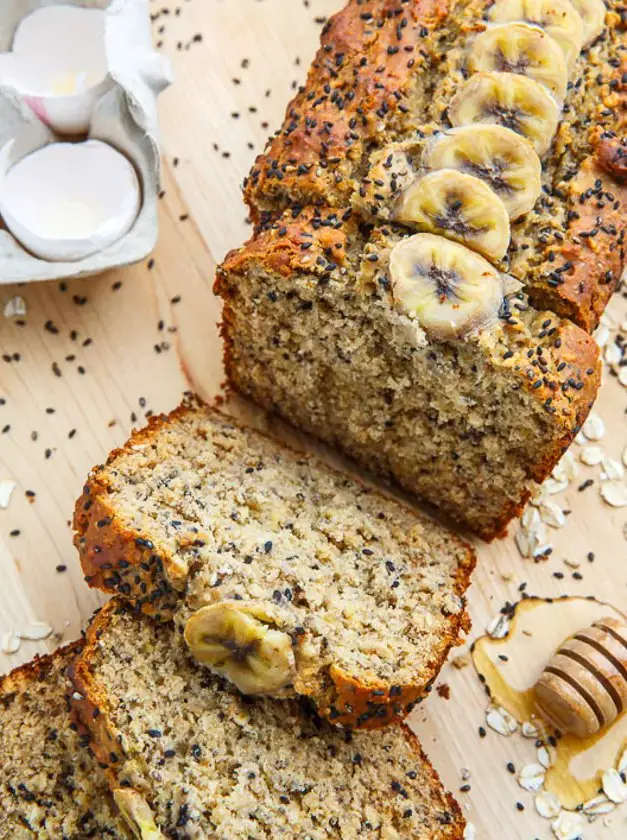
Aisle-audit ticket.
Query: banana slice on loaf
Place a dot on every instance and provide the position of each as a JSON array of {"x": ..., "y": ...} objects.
[
  {"x": 513, "y": 101},
  {"x": 559, "y": 19},
  {"x": 593, "y": 16},
  {"x": 522, "y": 49},
  {"x": 447, "y": 288},
  {"x": 500, "y": 157},
  {"x": 461, "y": 207}
]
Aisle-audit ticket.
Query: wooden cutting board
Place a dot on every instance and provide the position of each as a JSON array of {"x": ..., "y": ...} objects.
[{"x": 93, "y": 358}]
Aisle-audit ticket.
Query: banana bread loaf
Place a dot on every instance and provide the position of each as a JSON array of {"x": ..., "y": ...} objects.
[
  {"x": 390, "y": 98},
  {"x": 412, "y": 354},
  {"x": 191, "y": 758},
  {"x": 50, "y": 784},
  {"x": 286, "y": 576}
]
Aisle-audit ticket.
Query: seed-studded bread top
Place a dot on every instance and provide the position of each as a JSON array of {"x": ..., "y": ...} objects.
[
  {"x": 211, "y": 763},
  {"x": 387, "y": 73},
  {"x": 369, "y": 592},
  {"x": 50, "y": 785},
  {"x": 550, "y": 357}
]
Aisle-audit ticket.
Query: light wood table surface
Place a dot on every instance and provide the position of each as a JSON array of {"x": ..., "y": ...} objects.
[{"x": 93, "y": 357}]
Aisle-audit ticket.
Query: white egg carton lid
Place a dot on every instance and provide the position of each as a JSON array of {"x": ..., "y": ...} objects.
[{"x": 125, "y": 117}]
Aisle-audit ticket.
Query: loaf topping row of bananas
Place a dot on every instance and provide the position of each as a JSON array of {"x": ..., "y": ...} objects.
[{"x": 472, "y": 180}]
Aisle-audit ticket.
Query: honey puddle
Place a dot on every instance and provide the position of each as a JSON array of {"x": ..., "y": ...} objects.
[{"x": 512, "y": 665}]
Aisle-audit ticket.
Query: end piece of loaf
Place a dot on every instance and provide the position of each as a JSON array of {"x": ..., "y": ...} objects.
[
  {"x": 313, "y": 331},
  {"x": 209, "y": 762},
  {"x": 386, "y": 73},
  {"x": 50, "y": 784},
  {"x": 197, "y": 511}
]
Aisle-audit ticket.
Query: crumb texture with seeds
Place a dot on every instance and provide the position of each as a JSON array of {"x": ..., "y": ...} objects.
[
  {"x": 313, "y": 332},
  {"x": 51, "y": 787},
  {"x": 206, "y": 762},
  {"x": 235, "y": 534}
]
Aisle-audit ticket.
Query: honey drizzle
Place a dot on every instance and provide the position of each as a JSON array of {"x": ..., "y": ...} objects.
[{"x": 510, "y": 667}]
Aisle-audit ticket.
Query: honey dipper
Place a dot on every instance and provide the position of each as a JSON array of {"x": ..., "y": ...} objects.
[{"x": 584, "y": 687}]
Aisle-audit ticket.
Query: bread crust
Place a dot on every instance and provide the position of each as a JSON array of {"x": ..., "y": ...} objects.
[
  {"x": 594, "y": 245},
  {"x": 91, "y": 712},
  {"x": 119, "y": 561},
  {"x": 37, "y": 669},
  {"x": 314, "y": 157}
]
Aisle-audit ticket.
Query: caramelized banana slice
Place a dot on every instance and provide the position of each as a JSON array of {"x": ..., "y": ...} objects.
[
  {"x": 447, "y": 288},
  {"x": 593, "y": 16},
  {"x": 497, "y": 155},
  {"x": 461, "y": 207},
  {"x": 523, "y": 49},
  {"x": 506, "y": 99},
  {"x": 241, "y": 640},
  {"x": 559, "y": 18}
]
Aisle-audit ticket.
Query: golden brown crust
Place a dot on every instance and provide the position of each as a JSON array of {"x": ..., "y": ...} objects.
[
  {"x": 586, "y": 267},
  {"x": 307, "y": 241},
  {"x": 370, "y": 53},
  {"x": 116, "y": 560},
  {"x": 90, "y": 707},
  {"x": 37, "y": 669},
  {"x": 91, "y": 712}
]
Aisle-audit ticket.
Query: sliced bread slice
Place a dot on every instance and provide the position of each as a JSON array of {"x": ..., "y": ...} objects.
[
  {"x": 50, "y": 784},
  {"x": 287, "y": 576},
  {"x": 195, "y": 759}
]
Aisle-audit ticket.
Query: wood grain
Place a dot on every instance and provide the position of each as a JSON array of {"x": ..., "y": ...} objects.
[{"x": 125, "y": 350}]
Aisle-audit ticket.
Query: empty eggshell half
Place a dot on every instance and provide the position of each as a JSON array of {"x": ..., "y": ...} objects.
[
  {"x": 67, "y": 201},
  {"x": 58, "y": 64}
]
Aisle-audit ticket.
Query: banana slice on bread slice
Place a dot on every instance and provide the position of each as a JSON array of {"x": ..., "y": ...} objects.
[
  {"x": 448, "y": 289},
  {"x": 497, "y": 155},
  {"x": 559, "y": 19},
  {"x": 523, "y": 49},
  {"x": 510, "y": 100},
  {"x": 242, "y": 641},
  {"x": 458, "y": 206},
  {"x": 137, "y": 813}
]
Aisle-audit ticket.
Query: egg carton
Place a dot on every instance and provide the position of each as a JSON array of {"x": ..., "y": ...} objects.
[{"x": 124, "y": 116}]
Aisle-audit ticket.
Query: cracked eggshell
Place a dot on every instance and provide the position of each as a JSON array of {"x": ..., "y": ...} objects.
[
  {"x": 67, "y": 201},
  {"x": 58, "y": 65},
  {"x": 125, "y": 117}
]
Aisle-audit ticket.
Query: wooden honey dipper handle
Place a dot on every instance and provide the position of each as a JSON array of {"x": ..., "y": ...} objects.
[{"x": 584, "y": 687}]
